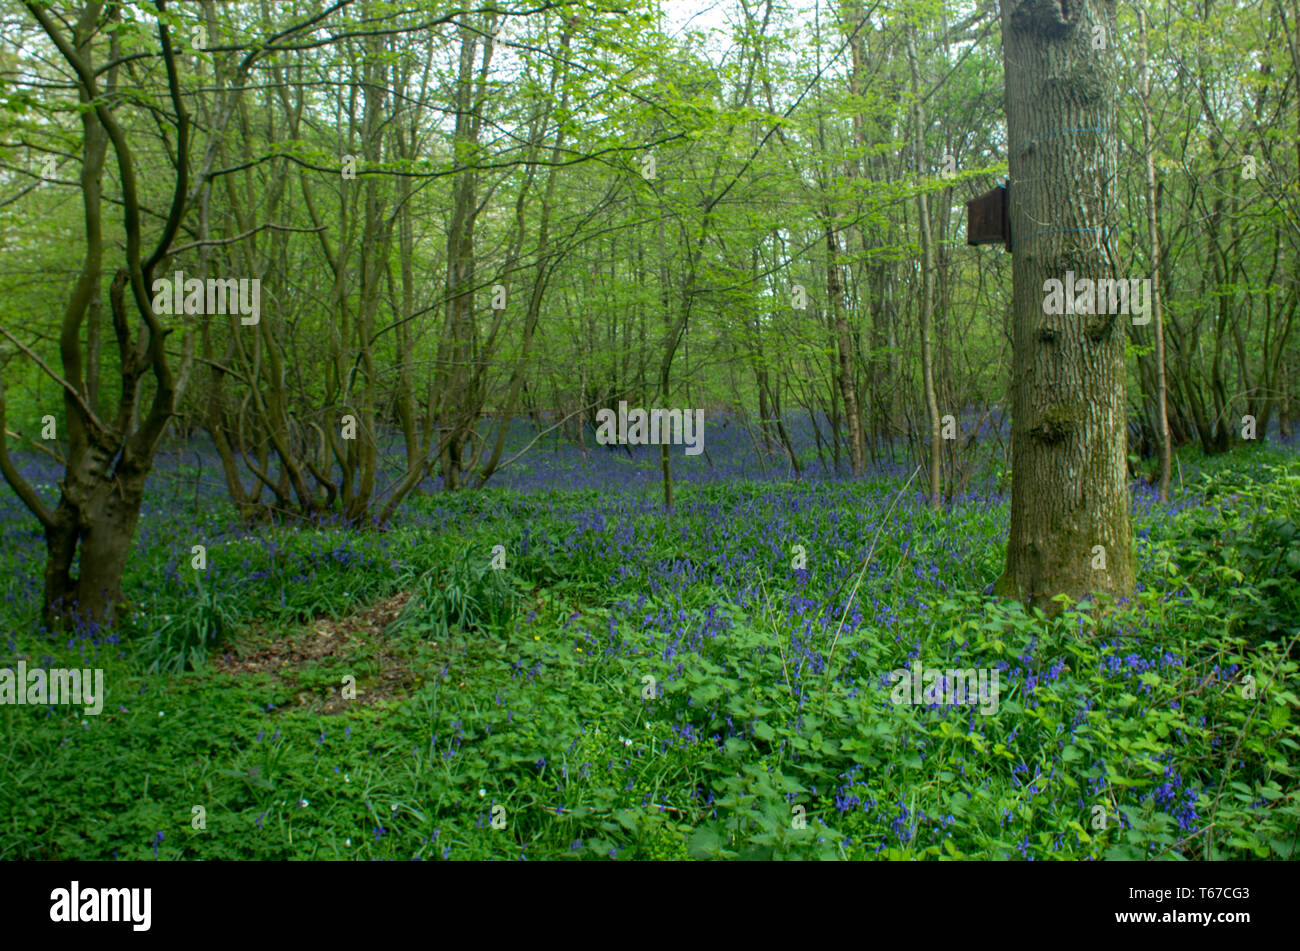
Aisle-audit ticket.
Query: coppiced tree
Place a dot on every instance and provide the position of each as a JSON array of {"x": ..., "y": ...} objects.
[{"x": 109, "y": 454}]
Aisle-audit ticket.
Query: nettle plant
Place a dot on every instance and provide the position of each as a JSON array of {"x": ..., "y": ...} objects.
[{"x": 1242, "y": 550}]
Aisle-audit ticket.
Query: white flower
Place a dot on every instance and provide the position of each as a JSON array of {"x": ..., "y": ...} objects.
[
  {"x": 348, "y": 843},
  {"x": 162, "y": 713},
  {"x": 482, "y": 792},
  {"x": 303, "y": 803}
]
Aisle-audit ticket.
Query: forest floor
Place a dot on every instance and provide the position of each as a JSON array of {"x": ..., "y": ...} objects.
[{"x": 635, "y": 686}]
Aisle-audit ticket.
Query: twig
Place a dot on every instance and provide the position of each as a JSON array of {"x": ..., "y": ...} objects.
[
  {"x": 870, "y": 551},
  {"x": 581, "y": 409},
  {"x": 240, "y": 237},
  {"x": 90, "y": 415}
]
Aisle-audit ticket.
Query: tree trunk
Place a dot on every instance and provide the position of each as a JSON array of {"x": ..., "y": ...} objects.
[
  {"x": 102, "y": 524},
  {"x": 927, "y": 278},
  {"x": 107, "y": 461},
  {"x": 1284, "y": 405},
  {"x": 843, "y": 349},
  {"x": 1153, "y": 235},
  {"x": 1069, "y": 492}
]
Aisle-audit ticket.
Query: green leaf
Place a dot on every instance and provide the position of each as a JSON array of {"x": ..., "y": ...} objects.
[{"x": 703, "y": 843}]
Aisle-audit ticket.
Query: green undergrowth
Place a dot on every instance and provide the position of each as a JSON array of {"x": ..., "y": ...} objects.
[{"x": 632, "y": 687}]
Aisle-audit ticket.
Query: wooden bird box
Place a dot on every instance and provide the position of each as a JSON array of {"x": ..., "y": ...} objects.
[{"x": 987, "y": 220}]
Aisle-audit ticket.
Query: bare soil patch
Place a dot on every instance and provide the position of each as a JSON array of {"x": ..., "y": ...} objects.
[{"x": 349, "y": 645}]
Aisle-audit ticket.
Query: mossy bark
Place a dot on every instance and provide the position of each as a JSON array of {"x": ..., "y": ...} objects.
[{"x": 1069, "y": 489}]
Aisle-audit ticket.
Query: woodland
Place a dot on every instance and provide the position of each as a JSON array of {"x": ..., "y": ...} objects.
[{"x": 649, "y": 429}]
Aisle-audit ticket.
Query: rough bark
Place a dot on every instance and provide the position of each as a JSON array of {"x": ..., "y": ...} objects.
[{"x": 1069, "y": 491}]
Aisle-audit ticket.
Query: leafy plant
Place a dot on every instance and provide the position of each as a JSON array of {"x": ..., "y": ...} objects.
[
  {"x": 183, "y": 640},
  {"x": 467, "y": 594}
]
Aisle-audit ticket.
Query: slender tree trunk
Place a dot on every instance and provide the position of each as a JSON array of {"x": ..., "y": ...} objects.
[
  {"x": 927, "y": 279},
  {"x": 844, "y": 349},
  {"x": 1153, "y": 235},
  {"x": 1284, "y": 404},
  {"x": 541, "y": 275}
]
